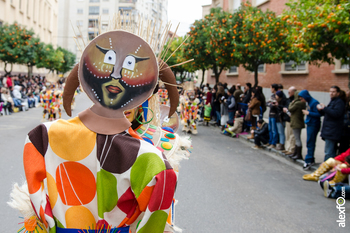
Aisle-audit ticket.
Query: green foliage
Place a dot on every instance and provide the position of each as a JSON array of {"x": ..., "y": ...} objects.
[
  {"x": 52, "y": 59},
  {"x": 69, "y": 60},
  {"x": 320, "y": 29}
]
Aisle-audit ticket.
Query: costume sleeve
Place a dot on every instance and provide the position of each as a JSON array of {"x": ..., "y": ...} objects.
[
  {"x": 342, "y": 156},
  {"x": 345, "y": 170},
  {"x": 161, "y": 197},
  {"x": 34, "y": 166}
]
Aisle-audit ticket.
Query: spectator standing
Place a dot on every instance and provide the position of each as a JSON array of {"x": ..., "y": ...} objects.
[
  {"x": 290, "y": 139},
  {"x": 297, "y": 123},
  {"x": 261, "y": 135},
  {"x": 238, "y": 92},
  {"x": 272, "y": 104},
  {"x": 332, "y": 127},
  {"x": 280, "y": 120},
  {"x": 217, "y": 103},
  {"x": 247, "y": 93},
  {"x": 262, "y": 100},
  {"x": 223, "y": 112},
  {"x": 9, "y": 82},
  {"x": 231, "y": 105},
  {"x": 254, "y": 108},
  {"x": 313, "y": 124}
]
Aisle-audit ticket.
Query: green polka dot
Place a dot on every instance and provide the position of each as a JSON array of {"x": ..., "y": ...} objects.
[
  {"x": 107, "y": 194},
  {"x": 144, "y": 169},
  {"x": 153, "y": 127},
  {"x": 170, "y": 135},
  {"x": 139, "y": 131},
  {"x": 156, "y": 223}
]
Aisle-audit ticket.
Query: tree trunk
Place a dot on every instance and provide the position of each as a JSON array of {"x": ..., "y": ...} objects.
[
  {"x": 256, "y": 76},
  {"x": 30, "y": 71},
  {"x": 203, "y": 71},
  {"x": 8, "y": 72}
]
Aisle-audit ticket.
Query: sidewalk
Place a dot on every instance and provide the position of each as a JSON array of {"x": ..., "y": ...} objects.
[{"x": 319, "y": 151}]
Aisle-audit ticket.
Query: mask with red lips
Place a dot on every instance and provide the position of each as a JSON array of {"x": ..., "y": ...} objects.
[{"x": 118, "y": 70}]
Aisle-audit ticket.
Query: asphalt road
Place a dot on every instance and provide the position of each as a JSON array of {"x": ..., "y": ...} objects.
[{"x": 225, "y": 186}]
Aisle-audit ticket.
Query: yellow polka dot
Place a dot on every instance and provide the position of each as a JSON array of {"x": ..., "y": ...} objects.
[
  {"x": 71, "y": 140},
  {"x": 79, "y": 217},
  {"x": 167, "y": 146},
  {"x": 52, "y": 188}
]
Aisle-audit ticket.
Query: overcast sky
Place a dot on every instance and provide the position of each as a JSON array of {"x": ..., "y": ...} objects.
[{"x": 185, "y": 12}]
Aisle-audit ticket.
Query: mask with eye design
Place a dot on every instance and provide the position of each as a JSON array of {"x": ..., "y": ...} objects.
[{"x": 118, "y": 70}]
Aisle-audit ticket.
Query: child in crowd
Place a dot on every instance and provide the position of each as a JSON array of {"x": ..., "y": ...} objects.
[
  {"x": 237, "y": 125},
  {"x": 261, "y": 135},
  {"x": 207, "y": 113}
]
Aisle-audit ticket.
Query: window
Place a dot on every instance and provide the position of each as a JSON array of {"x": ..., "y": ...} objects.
[
  {"x": 261, "y": 68},
  {"x": 94, "y": 0},
  {"x": 28, "y": 3},
  {"x": 93, "y": 23},
  {"x": 293, "y": 66},
  {"x": 236, "y": 4},
  {"x": 344, "y": 66},
  {"x": 233, "y": 69},
  {"x": 80, "y": 23},
  {"x": 105, "y": 11},
  {"x": 94, "y": 10},
  {"x": 80, "y": 11},
  {"x": 92, "y": 35},
  {"x": 20, "y": 4},
  {"x": 259, "y": 2}
]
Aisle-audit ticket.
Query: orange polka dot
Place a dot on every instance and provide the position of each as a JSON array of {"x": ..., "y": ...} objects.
[
  {"x": 79, "y": 217},
  {"x": 144, "y": 197},
  {"x": 71, "y": 140},
  {"x": 75, "y": 183},
  {"x": 52, "y": 188},
  {"x": 34, "y": 167}
]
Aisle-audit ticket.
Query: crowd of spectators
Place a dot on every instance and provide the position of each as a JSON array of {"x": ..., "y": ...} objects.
[
  {"x": 242, "y": 110},
  {"x": 20, "y": 93}
]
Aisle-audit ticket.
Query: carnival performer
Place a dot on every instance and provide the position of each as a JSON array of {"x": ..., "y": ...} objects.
[
  {"x": 189, "y": 109},
  {"x": 163, "y": 95},
  {"x": 48, "y": 100},
  {"x": 100, "y": 175}
]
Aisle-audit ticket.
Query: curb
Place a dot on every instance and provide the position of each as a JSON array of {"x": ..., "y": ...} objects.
[{"x": 277, "y": 152}]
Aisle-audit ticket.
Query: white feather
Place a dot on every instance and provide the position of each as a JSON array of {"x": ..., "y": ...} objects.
[{"x": 20, "y": 200}]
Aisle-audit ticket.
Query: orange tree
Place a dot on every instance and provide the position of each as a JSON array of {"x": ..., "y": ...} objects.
[
  {"x": 68, "y": 60},
  {"x": 13, "y": 38},
  {"x": 210, "y": 43},
  {"x": 52, "y": 59},
  {"x": 34, "y": 53},
  {"x": 174, "y": 56},
  {"x": 320, "y": 29},
  {"x": 260, "y": 38}
]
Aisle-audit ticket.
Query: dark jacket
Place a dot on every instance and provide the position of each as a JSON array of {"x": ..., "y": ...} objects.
[
  {"x": 297, "y": 116},
  {"x": 231, "y": 103},
  {"x": 314, "y": 116},
  {"x": 273, "y": 108},
  {"x": 237, "y": 93},
  {"x": 263, "y": 131},
  {"x": 281, "y": 116},
  {"x": 247, "y": 96},
  {"x": 332, "y": 127}
]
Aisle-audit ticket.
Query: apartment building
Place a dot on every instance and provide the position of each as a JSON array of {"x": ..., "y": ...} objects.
[
  {"x": 303, "y": 76},
  {"x": 80, "y": 18},
  {"x": 39, "y": 15}
]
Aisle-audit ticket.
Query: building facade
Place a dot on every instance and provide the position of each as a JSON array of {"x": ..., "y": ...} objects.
[
  {"x": 80, "y": 18},
  {"x": 303, "y": 76},
  {"x": 39, "y": 15}
]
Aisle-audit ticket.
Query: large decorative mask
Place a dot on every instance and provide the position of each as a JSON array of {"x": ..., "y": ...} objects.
[{"x": 118, "y": 70}]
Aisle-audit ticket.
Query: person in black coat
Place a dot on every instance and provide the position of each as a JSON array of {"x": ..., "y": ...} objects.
[
  {"x": 332, "y": 127},
  {"x": 261, "y": 135}
]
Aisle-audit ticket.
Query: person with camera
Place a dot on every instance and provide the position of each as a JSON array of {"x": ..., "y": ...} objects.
[
  {"x": 290, "y": 139},
  {"x": 272, "y": 103}
]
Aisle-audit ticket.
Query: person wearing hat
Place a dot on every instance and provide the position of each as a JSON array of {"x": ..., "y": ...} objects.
[{"x": 99, "y": 175}]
